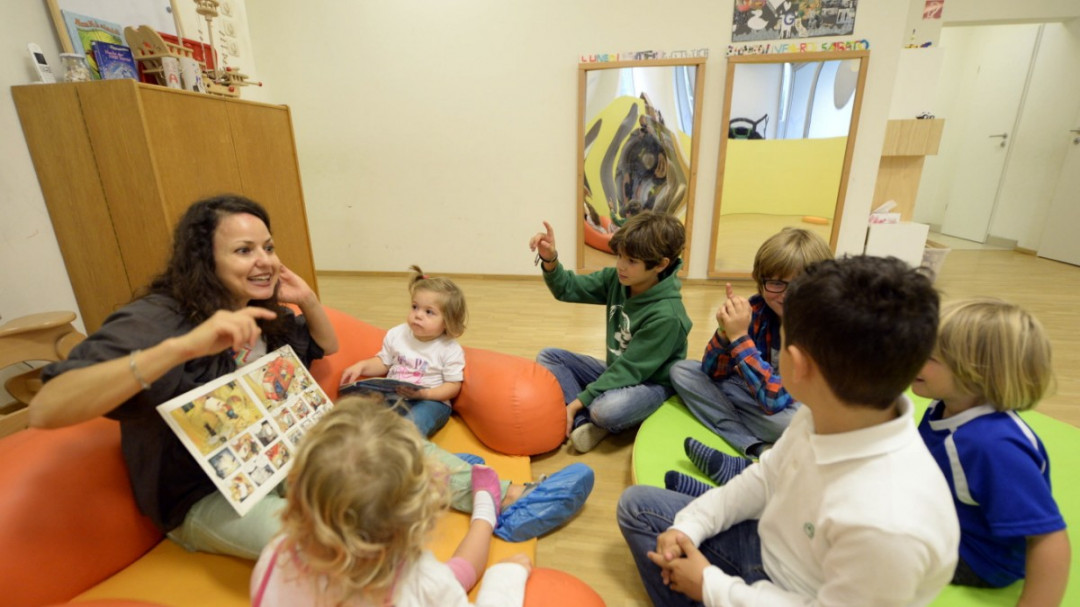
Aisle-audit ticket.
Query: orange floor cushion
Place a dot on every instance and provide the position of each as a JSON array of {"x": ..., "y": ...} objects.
[{"x": 171, "y": 575}]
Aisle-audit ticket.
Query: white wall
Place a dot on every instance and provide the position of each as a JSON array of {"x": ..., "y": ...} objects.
[
  {"x": 32, "y": 274},
  {"x": 443, "y": 135},
  {"x": 1042, "y": 135},
  {"x": 967, "y": 12}
]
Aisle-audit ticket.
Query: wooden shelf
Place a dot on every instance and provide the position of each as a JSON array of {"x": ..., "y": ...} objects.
[
  {"x": 119, "y": 162},
  {"x": 907, "y": 143},
  {"x": 912, "y": 137}
]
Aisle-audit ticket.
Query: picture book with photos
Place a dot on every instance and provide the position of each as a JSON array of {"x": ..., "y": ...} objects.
[
  {"x": 83, "y": 30},
  {"x": 243, "y": 428},
  {"x": 114, "y": 61},
  {"x": 377, "y": 384}
]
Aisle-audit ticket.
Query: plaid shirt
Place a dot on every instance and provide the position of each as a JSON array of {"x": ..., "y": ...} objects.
[{"x": 749, "y": 357}]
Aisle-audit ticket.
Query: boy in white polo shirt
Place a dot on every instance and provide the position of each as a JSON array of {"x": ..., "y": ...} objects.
[{"x": 848, "y": 508}]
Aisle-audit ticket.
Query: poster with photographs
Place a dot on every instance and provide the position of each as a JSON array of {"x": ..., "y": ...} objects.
[
  {"x": 243, "y": 428},
  {"x": 757, "y": 20}
]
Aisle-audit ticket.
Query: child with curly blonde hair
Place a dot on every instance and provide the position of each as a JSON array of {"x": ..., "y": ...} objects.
[
  {"x": 362, "y": 501},
  {"x": 991, "y": 360},
  {"x": 423, "y": 351}
]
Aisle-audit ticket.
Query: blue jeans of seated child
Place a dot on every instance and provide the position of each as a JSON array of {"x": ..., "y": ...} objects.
[
  {"x": 615, "y": 410},
  {"x": 429, "y": 416},
  {"x": 645, "y": 512},
  {"x": 727, "y": 407}
]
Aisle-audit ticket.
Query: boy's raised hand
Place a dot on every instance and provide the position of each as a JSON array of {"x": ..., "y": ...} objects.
[
  {"x": 719, "y": 315},
  {"x": 543, "y": 243},
  {"x": 734, "y": 315}
]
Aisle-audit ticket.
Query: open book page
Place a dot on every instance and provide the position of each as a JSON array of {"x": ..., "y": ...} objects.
[
  {"x": 377, "y": 384},
  {"x": 243, "y": 428}
]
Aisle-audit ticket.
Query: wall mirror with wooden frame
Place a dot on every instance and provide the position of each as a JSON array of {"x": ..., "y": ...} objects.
[
  {"x": 638, "y": 127},
  {"x": 784, "y": 161}
]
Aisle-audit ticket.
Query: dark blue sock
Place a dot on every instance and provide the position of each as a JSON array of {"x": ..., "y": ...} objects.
[
  {"x": 685, "y": 484},
  {"x": 580, "y": 419},
  {"x": 720, "y": 467}
]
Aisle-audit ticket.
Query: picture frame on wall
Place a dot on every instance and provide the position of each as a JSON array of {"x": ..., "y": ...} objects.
[{"x": 759, "y": 20}]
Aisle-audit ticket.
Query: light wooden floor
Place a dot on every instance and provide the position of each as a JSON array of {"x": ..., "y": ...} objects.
[{"x": 519, "y": 316}]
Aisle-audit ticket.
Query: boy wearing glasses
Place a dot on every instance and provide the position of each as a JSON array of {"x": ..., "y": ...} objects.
[{"x": 735, "y": 390}]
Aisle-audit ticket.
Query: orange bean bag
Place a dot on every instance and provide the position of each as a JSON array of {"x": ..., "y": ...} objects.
[{"x": 512, "y": 404}]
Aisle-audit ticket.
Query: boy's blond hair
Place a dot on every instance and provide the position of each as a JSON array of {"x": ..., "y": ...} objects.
[
  {"x": 455, "y": 314},
  {"x": 996, "y": 351},
  {"x": 787, "y": 253},
  {"x": 650, "y": 237},
  {"x": 362, "y": 498}
]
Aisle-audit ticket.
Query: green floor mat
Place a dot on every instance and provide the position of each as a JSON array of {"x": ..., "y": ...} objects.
[{"x": 659, "y": 448}]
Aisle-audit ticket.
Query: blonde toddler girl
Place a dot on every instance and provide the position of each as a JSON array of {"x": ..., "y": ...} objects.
[{"x": 423, "y": 351}]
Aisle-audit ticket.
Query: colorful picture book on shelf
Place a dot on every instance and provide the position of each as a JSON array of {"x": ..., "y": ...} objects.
[
  {"x": 84, "y": 30},
  {"x": 243, "y": 428},
  {"x": 114, "y": 61}
]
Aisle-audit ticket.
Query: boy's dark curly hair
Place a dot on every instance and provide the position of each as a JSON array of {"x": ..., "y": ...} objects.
[
  {"x": 869, "y": 323},
  {"x": 650, "y": 237}
]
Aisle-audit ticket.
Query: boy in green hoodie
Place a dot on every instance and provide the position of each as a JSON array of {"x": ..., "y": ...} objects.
[{"x": 647, "y": 327}]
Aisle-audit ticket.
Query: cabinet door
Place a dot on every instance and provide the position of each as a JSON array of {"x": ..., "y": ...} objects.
[
  {"x": 192, "y": 146},
  {"x": 266, "y": 156},
  {"x": 125, "y": 163},
  {"x": 63, "y": 156}
]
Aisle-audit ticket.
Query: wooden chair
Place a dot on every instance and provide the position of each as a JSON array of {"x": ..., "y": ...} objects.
[{"x": 48, "y": 336}]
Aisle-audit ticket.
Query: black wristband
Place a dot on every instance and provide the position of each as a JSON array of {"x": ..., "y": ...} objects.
[{"x": 541, "y": 259}]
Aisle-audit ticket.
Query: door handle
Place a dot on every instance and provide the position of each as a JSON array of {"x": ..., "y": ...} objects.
[{"x": 1004, "y": 138}]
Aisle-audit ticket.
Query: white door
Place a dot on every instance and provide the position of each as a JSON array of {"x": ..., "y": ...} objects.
[
  {"x": 1059, "y": 240},
  {"x": 981, "y": 144}
]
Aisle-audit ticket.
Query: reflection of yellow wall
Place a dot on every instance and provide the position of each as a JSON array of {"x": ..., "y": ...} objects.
[
  {"x": 613, "y": 115},
  {"x": 783, "y": 176}
]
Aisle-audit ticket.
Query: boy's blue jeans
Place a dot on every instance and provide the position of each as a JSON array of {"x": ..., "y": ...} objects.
[
  {"x": 727, "y": 407},
  {"x": 645, "y": 512},
  {"x": 614, "y": 410}
]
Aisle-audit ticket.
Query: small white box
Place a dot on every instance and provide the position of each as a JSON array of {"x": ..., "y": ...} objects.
[{"x": 906, "y": 241}]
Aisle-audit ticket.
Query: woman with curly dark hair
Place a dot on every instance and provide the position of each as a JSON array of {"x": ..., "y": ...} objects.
[{"x": 216, "y": 306}]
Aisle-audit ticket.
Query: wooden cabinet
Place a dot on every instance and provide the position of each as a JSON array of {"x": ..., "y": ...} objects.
[
  {"x": 907, "y": 143},
  {"x": 119, "y": 162}
]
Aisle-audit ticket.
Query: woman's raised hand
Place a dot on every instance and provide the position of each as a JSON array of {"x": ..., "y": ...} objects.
[
  {"x": 292, "y": 289},
  {"x": 225, "y": 329}
]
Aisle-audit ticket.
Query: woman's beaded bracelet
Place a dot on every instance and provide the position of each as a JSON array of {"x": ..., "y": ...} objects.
[{"x": 135, "y": 370}]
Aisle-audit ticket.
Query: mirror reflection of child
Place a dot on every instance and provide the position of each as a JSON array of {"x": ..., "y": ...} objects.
[{"x": 424, "y": 350}]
